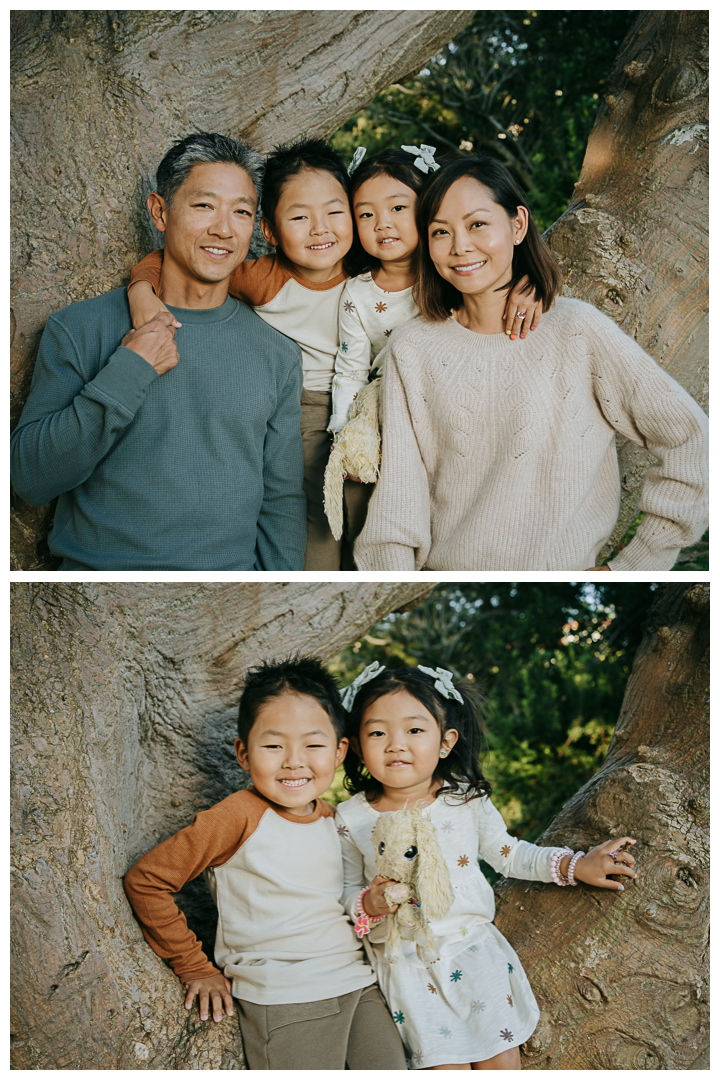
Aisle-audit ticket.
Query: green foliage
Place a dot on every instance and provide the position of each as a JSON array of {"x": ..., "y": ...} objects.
[
  {"x": 523, "y": 85},
  {"x": 689, "y": 560},
  {"x": 551, "y": 660}
]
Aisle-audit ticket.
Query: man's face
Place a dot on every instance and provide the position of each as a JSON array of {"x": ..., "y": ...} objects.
[{"x": 209, "y": 226}]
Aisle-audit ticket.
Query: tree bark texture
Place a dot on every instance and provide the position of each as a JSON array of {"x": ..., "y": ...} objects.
[
  {"x": 99, "y": 97},
  {"x": 125, "y": 699},
  {"x": 622, "y": 980},
  {"x": 634, "y": 239}
]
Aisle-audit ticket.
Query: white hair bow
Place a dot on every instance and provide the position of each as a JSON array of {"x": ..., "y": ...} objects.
[
  {"x": 347, "y": 696},
  {"x": 357, "y": 158},
  {"x": 443, "y": 682},
  {"x": 425, "y": 161}
]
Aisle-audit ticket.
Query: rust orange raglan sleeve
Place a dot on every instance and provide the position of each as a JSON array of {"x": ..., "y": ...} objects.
[
  {"x": 213, "y": 838},
  {"x": 148, "y": 269}
]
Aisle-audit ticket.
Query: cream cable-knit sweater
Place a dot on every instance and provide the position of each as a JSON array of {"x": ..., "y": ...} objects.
[{"x": 500, "y": 455}]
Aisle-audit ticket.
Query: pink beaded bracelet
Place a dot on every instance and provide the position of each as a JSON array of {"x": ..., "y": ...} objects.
[
  {"x": 556, "y": 859},
  {"x": 571, "y": 868},
  {"x": 364, "y": 921}
]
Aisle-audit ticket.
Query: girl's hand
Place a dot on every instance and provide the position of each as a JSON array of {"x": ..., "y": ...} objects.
[
  {"x": 374, "y": 901},
  {"x": 145, "y": 305},
  {"x": 590, "y": 569},
  {"x": 217, "y": 988},
  {"x": 602, "y": 860},
  {"x": 522, "y": 302}
]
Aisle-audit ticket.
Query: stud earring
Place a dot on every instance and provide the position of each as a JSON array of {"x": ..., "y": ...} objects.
[{"x": 443, "y": 753}]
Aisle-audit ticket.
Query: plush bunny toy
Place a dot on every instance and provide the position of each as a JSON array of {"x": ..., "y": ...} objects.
[{"x": 407, "y": 850}]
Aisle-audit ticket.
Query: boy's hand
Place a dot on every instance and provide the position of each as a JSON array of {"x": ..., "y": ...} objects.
[
  {"x": 522, "y": 311},
  {"x": 607, "y": 858},
  {"x": 216, "y": 988},
  {"x": 145, "y": 305},
  {"x": 155, "y": 342},
  {"x": 374, "y": 901}
]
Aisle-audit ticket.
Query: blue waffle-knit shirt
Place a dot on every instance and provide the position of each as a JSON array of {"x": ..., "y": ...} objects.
[{"x": 197, "y": 469}]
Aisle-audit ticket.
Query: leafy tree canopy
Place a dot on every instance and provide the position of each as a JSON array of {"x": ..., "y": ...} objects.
[
  {"x": 523, "y": 85},
  {"x": 550, "y": 659}
]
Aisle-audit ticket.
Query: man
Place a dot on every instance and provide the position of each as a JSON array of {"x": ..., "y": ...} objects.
[{"x": 176, "y": 446}]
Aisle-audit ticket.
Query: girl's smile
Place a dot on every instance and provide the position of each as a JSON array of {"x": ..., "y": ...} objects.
[
  {"x": 400, "y": 743},
  {"x": 385, "y": 215}
]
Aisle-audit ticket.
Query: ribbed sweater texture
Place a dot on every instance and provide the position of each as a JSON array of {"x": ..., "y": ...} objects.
[
  {"x": 500, "y": 455},
  {"x": 197, "y": 469}
]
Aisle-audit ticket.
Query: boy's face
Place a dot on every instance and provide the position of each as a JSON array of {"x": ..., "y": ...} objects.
[
  {"x": 313, "y": 224},
  {"x": 292, "y": 752}
]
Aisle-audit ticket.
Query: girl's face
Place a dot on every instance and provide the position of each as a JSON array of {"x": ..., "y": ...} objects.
[
  {"x": 385, "y": 216},
  {"x": 313, "y": 223},
  {"x": 400, "y": 742},
  {"x": 472, "y": 239}
]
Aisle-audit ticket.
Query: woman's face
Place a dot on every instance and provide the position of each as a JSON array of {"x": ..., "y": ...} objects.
[{"x": 472, "y": 238}]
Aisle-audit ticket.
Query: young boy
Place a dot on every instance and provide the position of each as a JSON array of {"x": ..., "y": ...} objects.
[
  {"x": 307, "y": 217},
  {"x": 284, "y": 947}
]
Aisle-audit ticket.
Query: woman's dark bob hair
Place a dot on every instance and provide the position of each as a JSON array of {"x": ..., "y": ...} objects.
[
  {"x": 397, "y": 164},
  {"x": 438, "y": 298},
  {"x": 459, "y": 773}
]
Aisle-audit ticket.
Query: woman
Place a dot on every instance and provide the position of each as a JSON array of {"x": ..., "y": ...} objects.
[{"x": 500, "y": 459}]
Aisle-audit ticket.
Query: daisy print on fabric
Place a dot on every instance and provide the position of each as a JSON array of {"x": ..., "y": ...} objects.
[
  {"x": 507, "y": 1035},
  {"x": 463, "y": 860},
  {"x": 418, "y": 1057},
  {"x": 342, "y": 830},
  {"x": 456, "y": 976},
  {"x": 478, "y": 1006},
  {"x": 380, "y": 307},
  {"x": 349, "y": 306},
  {"x": 446, "y": 1032}
]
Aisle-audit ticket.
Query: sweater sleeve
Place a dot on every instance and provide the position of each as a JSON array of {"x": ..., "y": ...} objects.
[
  {"x": 352, "y": 363},
  {"x": 281, "y": 526},
  {"x": 396, "y": 535},
  {"x": 505, "y": 853},
  {"x": 70, "y": 422},
  {"x": 214, "y": 836},
  {"x": 646, "y": 405}
]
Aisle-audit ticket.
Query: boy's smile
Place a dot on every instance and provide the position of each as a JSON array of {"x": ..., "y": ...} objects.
[
  {"x": 313, "y": 224},
  {"x": 292, "y": 752}
]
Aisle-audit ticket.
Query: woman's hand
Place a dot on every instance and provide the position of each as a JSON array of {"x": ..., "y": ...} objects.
[
  {"x": 145, "y": 305},
  {"x": 216, "y": 988},
  {"x": 374, "y": 900},
  {"x": 602, "y": 860},
  {"x": 592, "y": 569},
  {"x": 522, "y": 311}
]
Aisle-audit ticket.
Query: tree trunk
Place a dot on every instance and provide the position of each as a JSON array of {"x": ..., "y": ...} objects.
[
  {"x": 621, "y": 980},
  {"x": 125, "y": 706},
  {"x": 634, "y": 239},
  {"x": 99, "y": 96}
]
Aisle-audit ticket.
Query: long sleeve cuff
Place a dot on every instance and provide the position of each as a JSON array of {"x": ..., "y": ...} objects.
[
  {"x": 123, "y": 380},
  {"x": 385, "y": 557}
]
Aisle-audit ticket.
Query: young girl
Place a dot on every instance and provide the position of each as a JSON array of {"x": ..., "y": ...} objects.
[
  {"x": 415, "y": 741},
  {"x": 384, "y": 191},
  {"x": 497, "y": 458}
]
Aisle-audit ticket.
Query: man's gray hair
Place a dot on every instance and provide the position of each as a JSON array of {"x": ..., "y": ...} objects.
[{"x": 203, "y": 146}]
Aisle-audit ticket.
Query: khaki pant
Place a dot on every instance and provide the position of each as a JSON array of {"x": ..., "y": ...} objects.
[
  {"x": 323, "y": 551},
  {"x": 355, "y": 1030}
]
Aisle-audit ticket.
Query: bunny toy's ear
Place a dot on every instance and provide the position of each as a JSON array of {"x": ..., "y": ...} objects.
[{"x": 435, "y": 891}]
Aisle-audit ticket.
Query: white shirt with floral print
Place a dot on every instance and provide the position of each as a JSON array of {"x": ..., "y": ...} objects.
[{"x": 368, "y": 315}]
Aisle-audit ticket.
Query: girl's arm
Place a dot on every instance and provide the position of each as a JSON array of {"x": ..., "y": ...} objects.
[
  {"x": 352, "y": 363},
  {"x": 354, "y": 877},
  {"x": 517, "y": 858},
  {"x": 143, "y": 289},
  {"x": 521, "y": 301}
]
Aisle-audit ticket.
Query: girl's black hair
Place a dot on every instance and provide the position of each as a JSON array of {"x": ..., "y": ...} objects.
[
  {"x": 438, "y": 298},
  {"x": 295, "y": 675},
  {"x": 461, "y": 768},
  {"x": 399, "y": 165}
]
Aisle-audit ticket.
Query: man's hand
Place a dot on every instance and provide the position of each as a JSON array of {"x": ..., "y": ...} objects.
[
  {"x": 217, "y": 988},
  {"x": 155, "y": 342},
  {"x": 374, "y": 901}
]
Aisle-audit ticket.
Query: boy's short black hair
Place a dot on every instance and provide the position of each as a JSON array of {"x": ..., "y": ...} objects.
[
  {"x": 295, "y": 675},
  {"x": 289, "y": 159}
]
